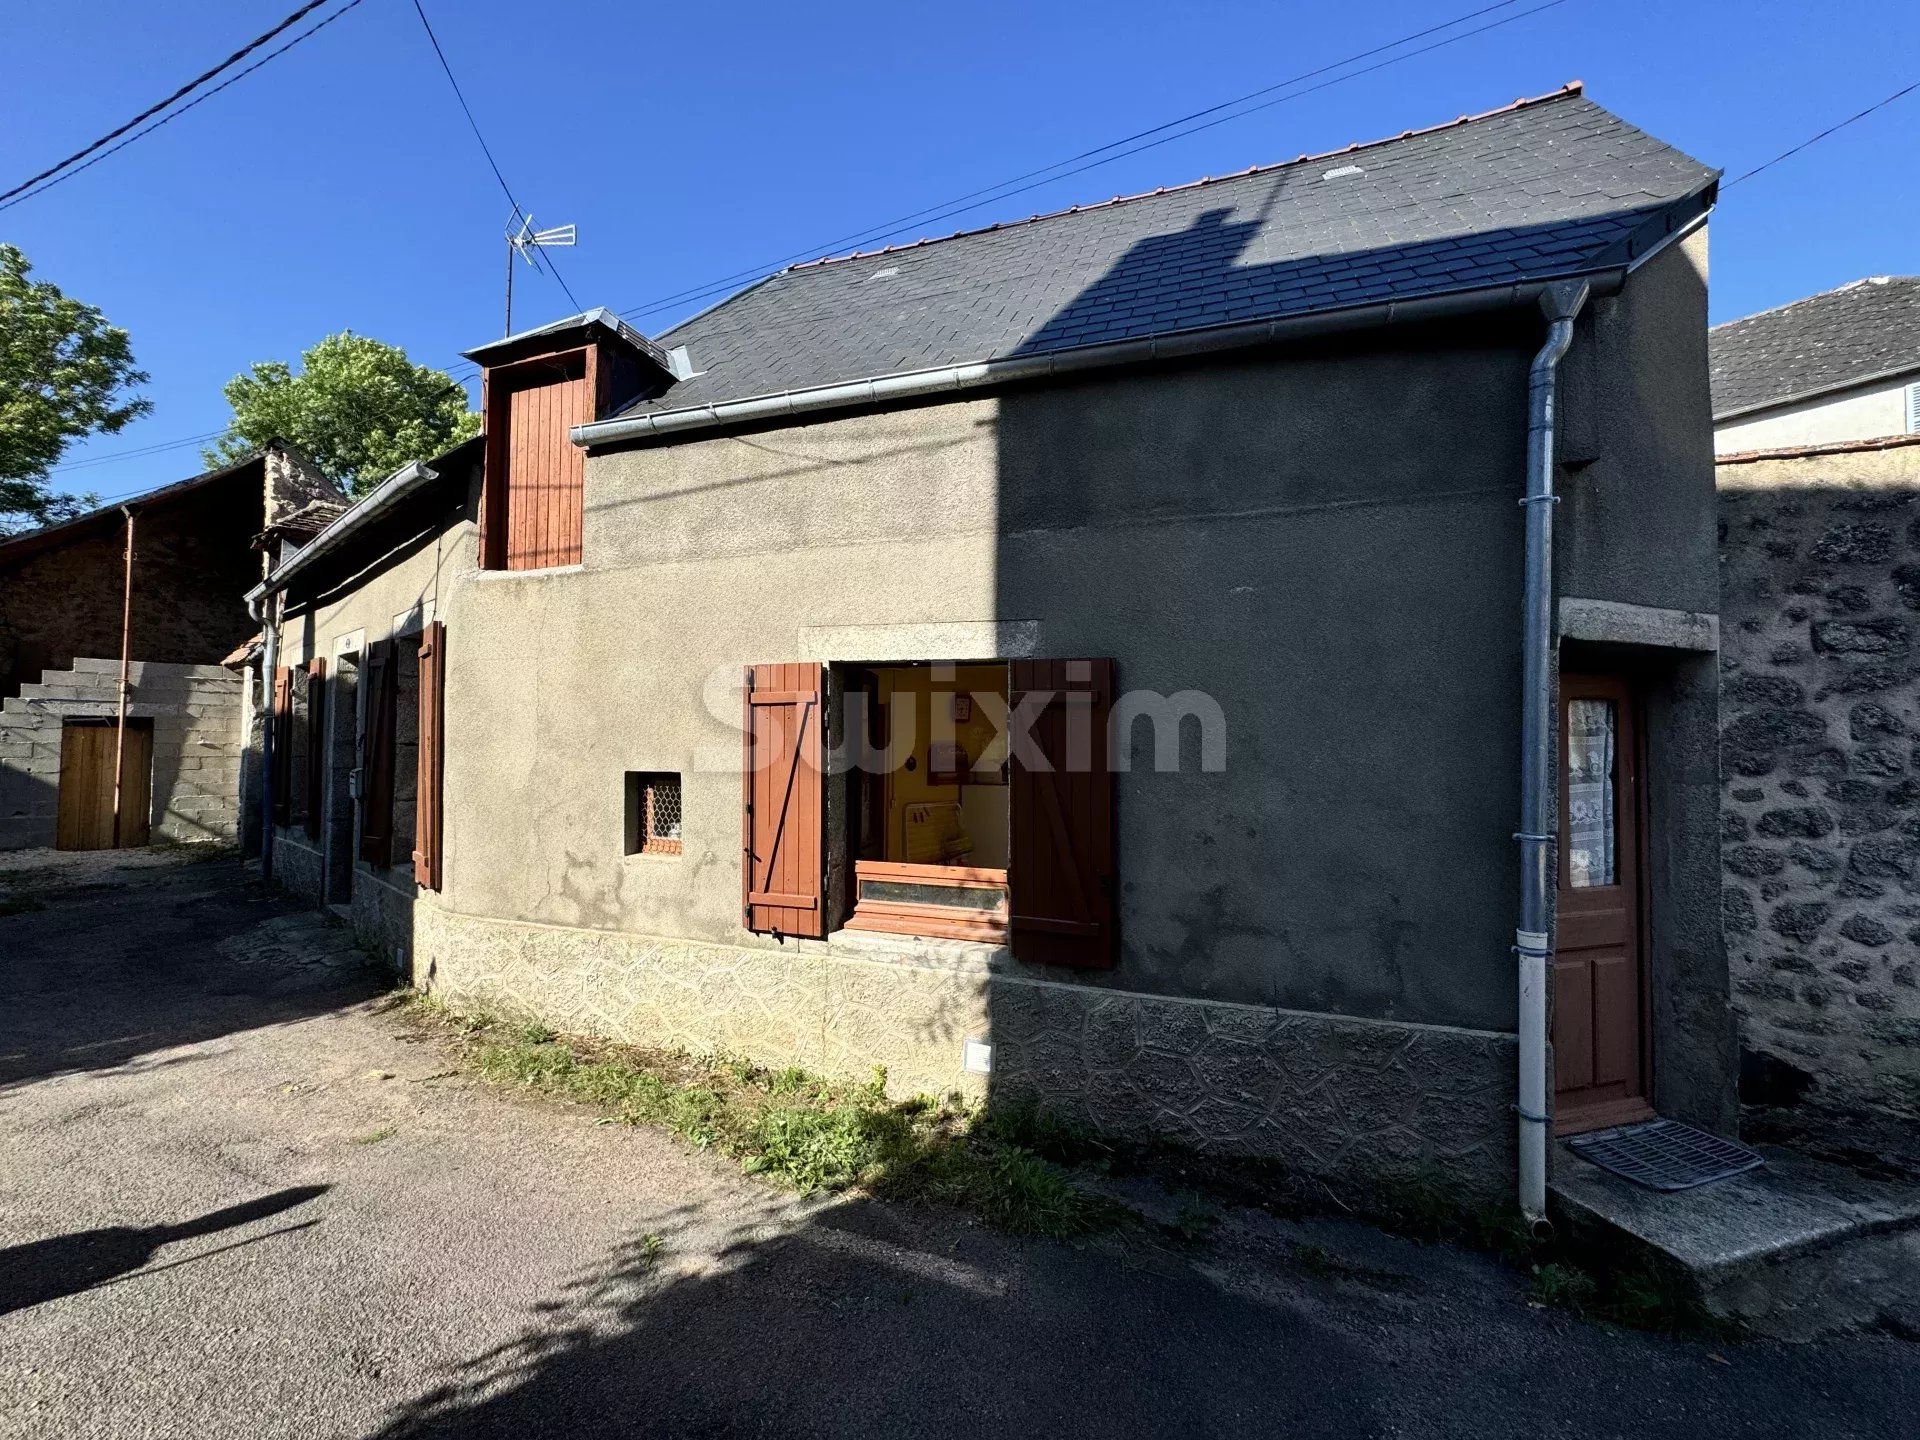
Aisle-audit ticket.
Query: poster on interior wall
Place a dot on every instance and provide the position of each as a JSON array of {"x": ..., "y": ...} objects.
[
  {"x": 991, "y": 767},
  {"x": 947, "y": 761}
]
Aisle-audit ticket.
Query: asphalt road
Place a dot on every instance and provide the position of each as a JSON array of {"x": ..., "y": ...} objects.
[{"x": 239, "y": 1199}]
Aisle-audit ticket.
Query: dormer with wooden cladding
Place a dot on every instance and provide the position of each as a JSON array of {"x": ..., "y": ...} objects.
[{"x": 535, "y": 387}]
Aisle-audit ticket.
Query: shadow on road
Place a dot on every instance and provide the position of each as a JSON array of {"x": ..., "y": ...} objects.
[
  {"x": 111, "y": 974},
  {"x": 864, "y": 1319},
  {"x": 44, "y": 1270}
]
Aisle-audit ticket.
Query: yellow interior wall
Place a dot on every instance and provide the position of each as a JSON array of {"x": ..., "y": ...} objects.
[{"x": 983, "y": 807}]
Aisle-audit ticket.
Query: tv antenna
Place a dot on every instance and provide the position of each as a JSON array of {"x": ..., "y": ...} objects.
[{"x": 524, "y": 242}]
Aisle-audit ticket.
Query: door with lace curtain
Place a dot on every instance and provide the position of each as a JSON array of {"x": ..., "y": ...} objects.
[{"x": 1601, "y": 1051}]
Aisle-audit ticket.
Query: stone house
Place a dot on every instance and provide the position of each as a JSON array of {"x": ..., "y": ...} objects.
[
  {"x": 168, "y": 573},
  {"x": 1090, "y": 660},
  {"x": 1818, "y": 427}
]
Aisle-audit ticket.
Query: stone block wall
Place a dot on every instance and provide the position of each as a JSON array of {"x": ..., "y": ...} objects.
[
  {"x": 1820, "y": 765},
  {"x": 197, "y": 746}
]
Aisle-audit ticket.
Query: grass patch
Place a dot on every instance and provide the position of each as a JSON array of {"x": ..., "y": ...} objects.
[
  {"x": 1637, "y": 1297},
  {"x": 374, "y": 1137},
  {"x": 20, "y": 905},
  {"x": 791, "y": 1127}
]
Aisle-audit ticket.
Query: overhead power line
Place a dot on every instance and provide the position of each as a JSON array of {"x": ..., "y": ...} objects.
[
  {"x": 169, "y": 118},
  {"x": 152, "y": 110},
  {"x": 463, "y": 371},
  {"x": 95, "y": 461},
  {"x": 1112, "y": 151},
  {"x": 1816, "y": 139},
  {"x": 486, "y": 149}
]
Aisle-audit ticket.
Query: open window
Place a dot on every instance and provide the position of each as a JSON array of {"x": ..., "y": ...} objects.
[
  {"x": 964, "y": 801},
  {"x": 929, "y": 819}
]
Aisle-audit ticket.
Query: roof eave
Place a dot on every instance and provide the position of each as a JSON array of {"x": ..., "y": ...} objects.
[
  {"x": 1800, "y": 397},
  {"x": 164, "y": 495}
]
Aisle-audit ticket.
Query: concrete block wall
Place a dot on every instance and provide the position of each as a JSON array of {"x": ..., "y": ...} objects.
[
  {"x": 197, "y": 746},
  {"x": 1820, "y": 773}
]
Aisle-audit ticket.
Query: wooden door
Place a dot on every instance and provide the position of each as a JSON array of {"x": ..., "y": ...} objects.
[
  {"x": 1601, "y": 1053},
  {"x": 87, "y": 752}
]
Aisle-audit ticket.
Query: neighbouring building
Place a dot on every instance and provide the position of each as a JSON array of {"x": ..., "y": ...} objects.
[
  {"x": 1833, "y": 369},
  {"x": 1817, "y": 408},
  {"x": 1078, "y": 660},
  {"x": 175, "y": 566}
]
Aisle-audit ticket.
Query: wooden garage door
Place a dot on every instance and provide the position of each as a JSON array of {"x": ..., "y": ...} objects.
[{"x": 87, "y": 753}]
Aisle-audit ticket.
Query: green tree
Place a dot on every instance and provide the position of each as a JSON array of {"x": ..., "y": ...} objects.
[
  {"x": 64, "y": 373},
  {"x": 358, "y": 408}
]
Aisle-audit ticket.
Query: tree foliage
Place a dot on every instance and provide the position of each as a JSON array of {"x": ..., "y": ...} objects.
[
  {"x": 64, "y": 373},
  {"x": 358, "y": 408}
]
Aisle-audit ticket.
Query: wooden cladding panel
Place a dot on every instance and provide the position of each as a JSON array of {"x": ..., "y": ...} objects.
[
  {"x": 429, "y": 806},
  {"x": 1060, "y": 870},
  {"x": 533, "y": 514},
  {"x": 783, "y": 831}
]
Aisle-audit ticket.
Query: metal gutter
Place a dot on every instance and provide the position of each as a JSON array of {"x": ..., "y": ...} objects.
[
  {"x": 974, "y": 375},
  {"x": 395, "y": 488}
]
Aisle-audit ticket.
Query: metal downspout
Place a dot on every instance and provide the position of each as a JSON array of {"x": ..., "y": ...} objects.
[
  {"x": 266, "y": 611},
  {"x": 1533, "y": 938},
  {"x": 126, "y": 653}
]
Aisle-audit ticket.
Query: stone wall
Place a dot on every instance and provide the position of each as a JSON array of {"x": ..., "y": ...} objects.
[
  {"x": 1325, "y": 1095},
  {"x": 197, "y": 743},
  {"x": 1821, "y": 773}
]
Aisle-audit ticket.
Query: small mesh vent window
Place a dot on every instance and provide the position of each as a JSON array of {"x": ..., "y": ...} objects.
[{"x": 653, "y": 812}]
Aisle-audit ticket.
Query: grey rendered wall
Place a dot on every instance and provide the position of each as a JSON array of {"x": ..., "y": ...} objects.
[
  {"x": 1823, "y": 774},
  {"x": 1637, "y": 525},
  {"x": 1345, "y": 591}
]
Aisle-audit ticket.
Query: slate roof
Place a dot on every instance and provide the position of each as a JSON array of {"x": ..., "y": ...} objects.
[
  {"x": 1823, "y": 343},
  {"x": 1541, "y": 189}
]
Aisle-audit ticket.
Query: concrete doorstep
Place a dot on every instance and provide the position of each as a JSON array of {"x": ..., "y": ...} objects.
[{"x": 1796, "y": 1249}]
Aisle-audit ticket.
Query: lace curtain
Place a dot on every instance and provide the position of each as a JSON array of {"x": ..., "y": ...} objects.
[{"x": 1591, "y": 743}]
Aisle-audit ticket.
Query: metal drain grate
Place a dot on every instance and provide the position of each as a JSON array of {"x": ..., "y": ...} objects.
[{"x": 1664, "y": 1154}]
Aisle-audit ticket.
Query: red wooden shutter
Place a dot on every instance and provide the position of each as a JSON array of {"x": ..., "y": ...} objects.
[
  {"x": 427, "y": 796},
  {"x": 1060, "y": 869},
  {"x": 784, "y": 847},
  {"x": 316, "y": 743},
  {"x": 376, "y": 784},
  {"x": 282, "y": 723}
]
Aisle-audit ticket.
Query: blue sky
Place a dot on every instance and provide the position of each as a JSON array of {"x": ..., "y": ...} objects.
[{"x": 340, "y": 188}]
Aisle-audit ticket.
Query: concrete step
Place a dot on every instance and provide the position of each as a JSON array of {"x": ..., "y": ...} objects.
[{"x": 1796, "y": 1249}]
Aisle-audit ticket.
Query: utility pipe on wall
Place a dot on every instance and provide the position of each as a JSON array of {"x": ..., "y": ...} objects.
[
  {"x": 265, "y": 608},
  {"x": 126, "y": 637},
  {"x": 1533, "y": 938}
]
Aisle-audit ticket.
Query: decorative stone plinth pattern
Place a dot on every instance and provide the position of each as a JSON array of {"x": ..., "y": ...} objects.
[{"x": 1327, "y": 1095}]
